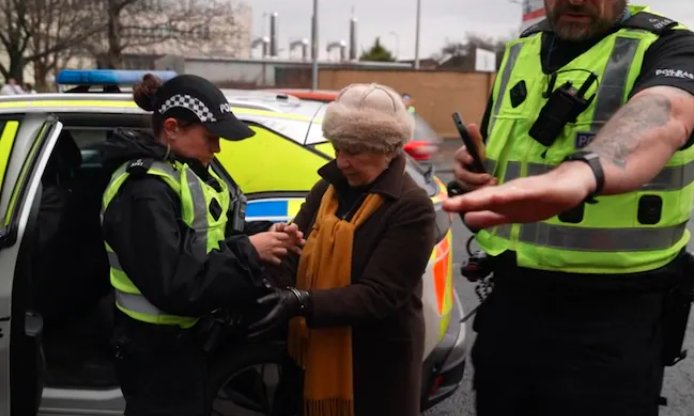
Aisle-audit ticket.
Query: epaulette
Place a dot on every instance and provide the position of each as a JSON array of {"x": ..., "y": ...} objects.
[
  {"x": 541, "y": 26},
  {"x": 139, "y": 167},
  {"x": 650, "y": 22}
]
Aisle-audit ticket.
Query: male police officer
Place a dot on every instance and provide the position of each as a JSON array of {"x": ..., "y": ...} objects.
[{"x": 589, "y": 136}]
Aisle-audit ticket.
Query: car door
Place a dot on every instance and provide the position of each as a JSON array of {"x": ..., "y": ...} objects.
[{"x": 26, "y": 141}]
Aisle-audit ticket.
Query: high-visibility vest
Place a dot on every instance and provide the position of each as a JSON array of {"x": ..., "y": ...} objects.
[
  {"x": 631, "y": 232},
  {"x": 195, "y": 196}
]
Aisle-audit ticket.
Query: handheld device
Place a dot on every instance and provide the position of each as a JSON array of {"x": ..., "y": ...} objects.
[{"x": 477, "y": 165}]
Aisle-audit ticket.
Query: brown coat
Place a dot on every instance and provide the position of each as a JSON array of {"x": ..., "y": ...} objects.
[{"x": 383, "y": 303}]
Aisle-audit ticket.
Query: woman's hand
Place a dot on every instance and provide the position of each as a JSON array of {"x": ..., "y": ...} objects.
[{"x": 271, "y": 245}]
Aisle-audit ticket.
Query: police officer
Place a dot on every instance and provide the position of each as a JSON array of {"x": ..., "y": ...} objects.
[
  {"x": 177, "y": 244},
  {"x": 409, "y": 103},
  {"x": 582, "y": 211}
]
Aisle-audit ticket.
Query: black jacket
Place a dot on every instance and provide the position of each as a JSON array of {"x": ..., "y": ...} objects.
[{"x": 143, "y": 225}]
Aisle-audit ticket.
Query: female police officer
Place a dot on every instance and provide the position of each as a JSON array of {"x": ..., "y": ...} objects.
[{"x": 174, "y": 255}]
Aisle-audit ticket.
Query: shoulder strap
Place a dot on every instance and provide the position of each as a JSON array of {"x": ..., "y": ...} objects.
[
  {"x": 541, "y": 26},
  {"x": 650, "y": 22},
  {"x": 139, "y": 167}
]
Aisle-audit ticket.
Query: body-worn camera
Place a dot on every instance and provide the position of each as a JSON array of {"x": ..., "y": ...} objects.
[
  {"x": 239, "y": 202},
  {"x": 563, "y": 106}
]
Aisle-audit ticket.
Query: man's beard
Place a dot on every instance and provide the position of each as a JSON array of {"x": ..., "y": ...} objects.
[{"x": 577, "y": 32}]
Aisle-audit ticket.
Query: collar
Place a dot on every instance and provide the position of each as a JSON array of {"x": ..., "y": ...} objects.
[
  {"x": 194, "y": 164},
  {"x": 388, "y": 183}
]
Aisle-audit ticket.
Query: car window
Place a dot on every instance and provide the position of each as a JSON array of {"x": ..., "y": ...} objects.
[
  {"x": 24, "y": 138},
  {"x": 287, "y": 166}
]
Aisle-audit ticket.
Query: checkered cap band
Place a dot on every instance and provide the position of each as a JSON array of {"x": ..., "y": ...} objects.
[{"x": 191, "y": 103}]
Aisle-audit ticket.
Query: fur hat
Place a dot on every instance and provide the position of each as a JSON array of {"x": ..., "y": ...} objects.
[{"x": 368, "y": 117}]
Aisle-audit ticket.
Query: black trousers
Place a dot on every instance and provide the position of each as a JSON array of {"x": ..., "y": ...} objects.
[
  {"x": 162, "y": 370},
  {"x": 553, "y": 344}
]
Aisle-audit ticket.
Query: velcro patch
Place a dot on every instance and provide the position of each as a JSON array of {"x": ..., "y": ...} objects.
[{"x": 583, "y": 139}]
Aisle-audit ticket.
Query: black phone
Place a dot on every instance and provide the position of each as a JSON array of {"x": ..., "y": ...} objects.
[{"x": 477, "y": 164}]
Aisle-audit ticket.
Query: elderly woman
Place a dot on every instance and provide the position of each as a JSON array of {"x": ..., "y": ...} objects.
[{"x": 358, "y": 329}]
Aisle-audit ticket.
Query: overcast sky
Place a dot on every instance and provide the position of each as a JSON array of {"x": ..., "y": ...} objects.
[{"x": 394, "y": 21}]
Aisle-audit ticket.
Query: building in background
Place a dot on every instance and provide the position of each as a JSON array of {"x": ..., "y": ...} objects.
[
  {"x": 222, "y": 30},
  {"x": 533, "y": 12},
  {"x": 162, "y": 33}
]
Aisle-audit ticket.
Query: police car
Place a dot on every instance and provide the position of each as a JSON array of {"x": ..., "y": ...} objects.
[{"x": 56, "y": 303}]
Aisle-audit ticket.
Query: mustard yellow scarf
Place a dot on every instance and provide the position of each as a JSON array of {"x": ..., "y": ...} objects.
[{"x": 326, "y": 354}]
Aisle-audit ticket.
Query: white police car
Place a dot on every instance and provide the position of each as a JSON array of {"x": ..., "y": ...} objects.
[{"x": 56, "y": 303}]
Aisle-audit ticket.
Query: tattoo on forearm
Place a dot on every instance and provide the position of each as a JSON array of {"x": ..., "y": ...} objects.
[{"x": 622, "y": 135}]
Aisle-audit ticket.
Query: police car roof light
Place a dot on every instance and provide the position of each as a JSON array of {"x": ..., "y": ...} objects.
[{"x": 107, "y": 76}]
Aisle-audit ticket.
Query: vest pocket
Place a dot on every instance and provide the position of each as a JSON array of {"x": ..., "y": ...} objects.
[{"x": 650, "y": 209}]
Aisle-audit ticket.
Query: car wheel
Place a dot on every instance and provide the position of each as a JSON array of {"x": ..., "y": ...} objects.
[{"x": 245, "y": 381}]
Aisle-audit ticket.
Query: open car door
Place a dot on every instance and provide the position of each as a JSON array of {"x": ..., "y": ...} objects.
[{"x": 26, "y": 142}]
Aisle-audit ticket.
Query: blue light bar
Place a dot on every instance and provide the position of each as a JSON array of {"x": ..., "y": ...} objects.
[{"x": 107, "y": 76}]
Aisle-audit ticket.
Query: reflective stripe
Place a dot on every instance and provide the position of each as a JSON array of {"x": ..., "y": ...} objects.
[
  {"x": 672, "y": 178},
  {"x": 513, "y": 171},
  {"x": 538, "y": 169},
  {"x": 505, "y": 77},
  {"x": 113, "y": 260},
  {"x": 669, "y": 179},
  {"x": 601, "y": 239},
  {"x": 490, "y": 166},
  {"x": 199, "y": 223},
  {"x": 614, "y": 82},
  {"x": 137, "y": 303},
  {"x": 504, "y": 231},
  {"x": 167, "y": 168}
]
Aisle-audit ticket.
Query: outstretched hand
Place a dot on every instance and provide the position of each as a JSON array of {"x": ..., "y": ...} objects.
[{"x": 524, "y": 200}]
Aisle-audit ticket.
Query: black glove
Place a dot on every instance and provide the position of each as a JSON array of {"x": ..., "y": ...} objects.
[{"x": 284, "y": 304}]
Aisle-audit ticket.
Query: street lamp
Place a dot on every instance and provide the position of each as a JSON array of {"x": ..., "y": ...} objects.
[
  {"x": 397, "y": 44},
  {"x": 416, "y": 41},
  {"x": 314, "y": 47}
]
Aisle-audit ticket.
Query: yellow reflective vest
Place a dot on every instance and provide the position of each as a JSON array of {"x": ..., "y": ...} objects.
[
  {"x": 636, "y": 231},
  {"x": 195, "y": 196}
]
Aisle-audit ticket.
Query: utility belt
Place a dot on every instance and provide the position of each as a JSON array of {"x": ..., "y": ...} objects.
[
  {"x": 675, "y": 282},
  {"x": 212, "y": 331}
]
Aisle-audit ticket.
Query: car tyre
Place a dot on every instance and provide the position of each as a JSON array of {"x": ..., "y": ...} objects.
[{"x": 247, "y": 381}]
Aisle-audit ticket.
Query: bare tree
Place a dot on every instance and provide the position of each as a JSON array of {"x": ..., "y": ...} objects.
[
  {"x": 46, "y": 33},
  {"x": 461, "y": 55},
  {"x": 56, "y": 26},
  {"x": 34, "y": 30},
  {"x": 14, "y": 37},
  {"x": 137, "y": 25}
]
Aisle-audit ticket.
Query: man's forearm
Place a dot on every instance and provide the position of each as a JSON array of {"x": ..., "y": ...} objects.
[{"x": 642, "y": 136}]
